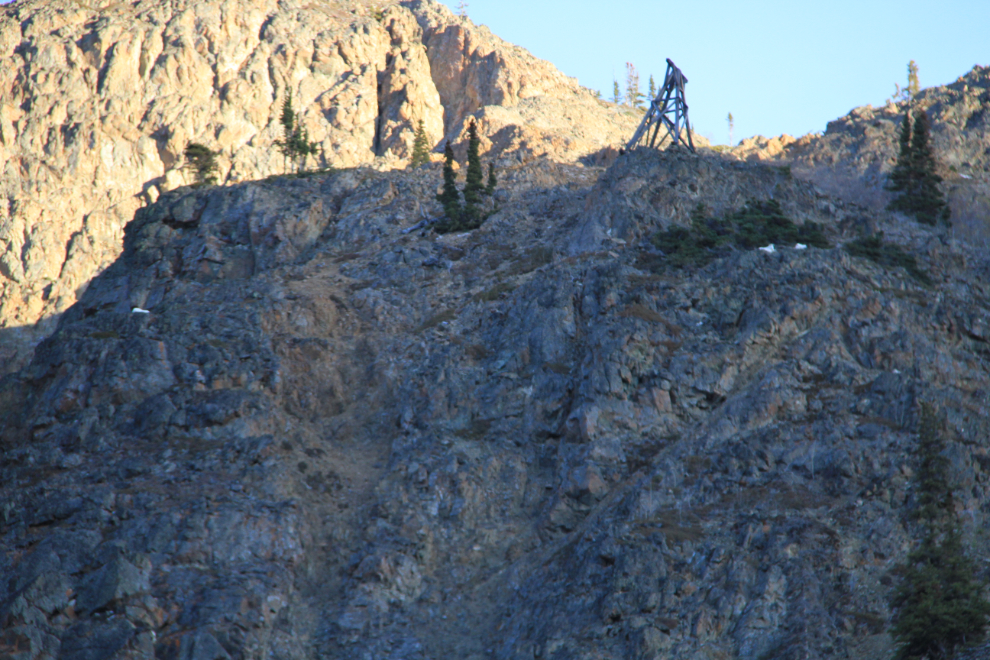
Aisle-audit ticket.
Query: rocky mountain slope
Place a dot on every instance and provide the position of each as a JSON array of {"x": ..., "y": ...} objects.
[
  {"x": 282, "y": 423},
  {"x": 98, "y": 101},
  {"x": 852, "y": 158},
  {"x": 333, "y": 437}
]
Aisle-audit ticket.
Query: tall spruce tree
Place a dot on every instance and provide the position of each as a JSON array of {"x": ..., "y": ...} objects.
[
  {"x": 914, "y": 176},
  {"x": 652, "y": 89},
  {"x": 474, "y": 184},
  {"x": 938, "y": 606},
  {"x": 929, "y": 203},
  {"x": 421, "y": 147},
  {"x": 492, "y": 181},
  {"x": 900, "y": 177},
  {"x": 616, "y": 93},
  {"x": 449, "y": 198}
]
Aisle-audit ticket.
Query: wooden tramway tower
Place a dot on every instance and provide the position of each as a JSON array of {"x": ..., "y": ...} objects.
[{"x": 668, "y": 110}]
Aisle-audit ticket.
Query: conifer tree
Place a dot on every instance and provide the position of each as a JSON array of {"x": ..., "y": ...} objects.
[
  {"x": 900, "y": 176},
  {"x": 938, "y": 606},
  {"x": 471, "y": 214},
  {"x": 914, "y": 176},
  {"x": 421, "y": 147},
  {"x": 203, "y": 162},
  {"x": 652, "y": 89},
  {"x": 450, "y": 198},
  {"x": 302, "y": 146},
  {"x": 492, "y": 181},
  {"x": 288, "y": 121},
  {"x": 474, "y": 185},
  {"x": 616, "y": 94},
  {"x": 913, "y": 87},
  {"x": 288, "y": 116},
  {"x": 929, "y": 203},
  {"x": 295, "y": 144},
  {"x": 634, "y": 97}
]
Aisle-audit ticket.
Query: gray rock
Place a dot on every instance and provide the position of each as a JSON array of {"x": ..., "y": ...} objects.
[
  {"x": 114, "y": 582},
  {"x": 201, "y": 645},
  {"x": 95, "y": 640}
]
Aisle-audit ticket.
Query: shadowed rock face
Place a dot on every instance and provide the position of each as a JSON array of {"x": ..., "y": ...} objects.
[
  {"x": 98, "y": 102},
  {"x": 329, "y": 438}
]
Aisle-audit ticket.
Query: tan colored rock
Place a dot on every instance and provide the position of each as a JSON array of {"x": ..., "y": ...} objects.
[
  {"x": 660, "y": 400},
  {"x": 408, "y": 88},
  {"x": 561, "y": 128},
  {"x": 761, "y": 148},
  {"x": 98, "y": 102}
]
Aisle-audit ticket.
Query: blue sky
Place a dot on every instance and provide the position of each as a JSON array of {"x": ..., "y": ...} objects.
[{"x": 778, "y": 67}]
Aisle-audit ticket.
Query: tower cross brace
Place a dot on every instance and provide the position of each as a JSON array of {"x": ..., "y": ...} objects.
[{"x": 668, "y": 110}]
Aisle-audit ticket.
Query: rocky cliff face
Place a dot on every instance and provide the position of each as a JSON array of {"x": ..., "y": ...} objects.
[
  {"x": 853, "y": 157},
  {"x": 331, "y": 437},
  {"x": 98, "y": 101},
  {"x": 282, "y": 424}
]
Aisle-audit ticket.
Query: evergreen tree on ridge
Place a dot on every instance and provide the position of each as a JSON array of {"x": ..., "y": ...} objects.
[{"x": 939, "y": 607}]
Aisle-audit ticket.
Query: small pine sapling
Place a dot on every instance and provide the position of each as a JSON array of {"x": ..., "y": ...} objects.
[
  {"x": 288, "y": 121},
  {"x": 634, "y": 97},
  {"x": 295, "y": 144},
  {"x": 913, "y": 86},
  {"x": 302, "y": 146},
  {"x": 288, "y": 116},
  {"x": 421, "y": 147},
  {"x": 203, "y": 162}
]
